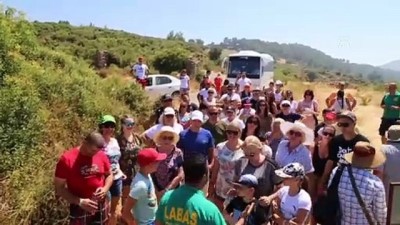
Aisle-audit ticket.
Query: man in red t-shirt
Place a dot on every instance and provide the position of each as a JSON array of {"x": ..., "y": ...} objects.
[
  {"x": 83, "y": 177},
  {"x": 218, "y": 84}
]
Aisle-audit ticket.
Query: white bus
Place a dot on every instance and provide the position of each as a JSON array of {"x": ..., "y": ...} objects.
[{"x": 259, "y": 67}]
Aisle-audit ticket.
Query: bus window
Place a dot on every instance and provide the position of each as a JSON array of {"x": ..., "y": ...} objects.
[{"x": 250, "y": 65}]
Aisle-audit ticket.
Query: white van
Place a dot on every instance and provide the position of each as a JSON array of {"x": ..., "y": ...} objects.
[{"x": 259, "y": 67}]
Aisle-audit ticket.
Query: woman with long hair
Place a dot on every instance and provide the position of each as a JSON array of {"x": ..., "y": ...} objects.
[
  {"x": 130, "y": 144},
  {"x": 252, "y": 127},
  {"x": 308, "y": 107},
  {"x": 227, "y": 153},
  {"x": 265, "y": 116},
  {"x": 273, "y": 109},
  {"x": 341, "y": 103},
  {"x": 288, "y": 95},
  {"x": 184, "y": 115},
  {"x": 169, "y": 172},
  {"x": 292, "y": 204},
  {"x": 113, "y": 152}
]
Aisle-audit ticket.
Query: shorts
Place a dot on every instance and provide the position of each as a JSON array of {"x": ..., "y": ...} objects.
[
  {"x": 385, "y": 124},
  {"x": 116, "y": 188},
  {"x": 78, "y": 216}
]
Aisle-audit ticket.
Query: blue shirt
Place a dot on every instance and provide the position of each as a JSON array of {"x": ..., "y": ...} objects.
[{"x": 195, "y": 142}]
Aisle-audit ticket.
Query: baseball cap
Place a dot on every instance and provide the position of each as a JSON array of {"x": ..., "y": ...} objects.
[
  {"x": 349, "y": 115},
  {"x": 248, "y": 180},
  {"x": 278, "y": 82},
  {"x": 169, "y": 111},
  {"x": 107, "y": 119},
  {"x": 148, "y": 156},
  {"x": 197, "y": 115},
  {"x": 291, "y": 170},
  {"x": 230, "y": 109}
]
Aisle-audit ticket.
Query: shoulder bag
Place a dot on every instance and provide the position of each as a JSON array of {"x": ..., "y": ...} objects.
[{"x": 360, "y": 200}]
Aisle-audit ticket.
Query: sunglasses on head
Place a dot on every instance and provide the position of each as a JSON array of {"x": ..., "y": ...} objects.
[
  {"x": 343, "y": 124},
  {"x": 285, "y": 105},
  {"x": 233, "y": 132},
  {"x": 327, "y": 134},
  {"x": 295, "y": 133},
  {"x": 108, "y": 125},
  {"x": 167, "y": 138},
  {"x": 169, "y": 116}
]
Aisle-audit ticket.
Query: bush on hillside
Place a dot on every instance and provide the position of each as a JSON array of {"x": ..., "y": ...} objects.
[
  {"x": 215, "y": 53},
  {"x": 48, "y": 105},
  {"x": 170, "y": 60}
]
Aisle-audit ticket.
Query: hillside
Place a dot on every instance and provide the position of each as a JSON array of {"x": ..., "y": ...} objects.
[
  {"x": 85, "y": 41},
  {"x": 394, "y": 65},
  {"x": 309, "y": 57}
]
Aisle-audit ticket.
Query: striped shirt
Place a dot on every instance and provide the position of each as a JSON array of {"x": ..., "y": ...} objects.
[{"x": 372, "y": 192}]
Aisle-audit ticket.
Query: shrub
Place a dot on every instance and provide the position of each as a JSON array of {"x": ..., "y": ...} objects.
[
  {"x": 214, "y": 54},
  {"x": 47, "y": 105},
  {"x": 170, "y": 60}
]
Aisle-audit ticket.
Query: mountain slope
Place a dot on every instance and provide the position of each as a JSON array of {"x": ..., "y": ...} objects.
[
  {"x": 305, "y": 55},
  {"x": 394, "y": 65}
]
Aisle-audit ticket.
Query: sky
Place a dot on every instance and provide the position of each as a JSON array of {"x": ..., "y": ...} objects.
[{"x": 362, "y": 31}]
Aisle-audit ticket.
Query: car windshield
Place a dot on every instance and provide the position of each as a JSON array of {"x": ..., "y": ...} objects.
[{"x": 250, "y": 65}]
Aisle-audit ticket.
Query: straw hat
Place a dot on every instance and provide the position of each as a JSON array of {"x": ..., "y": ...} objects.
[
  {"x": 365, "y": 156},
  {"x": 166, "y": 129},
  {"x": 308, "y": 138}
]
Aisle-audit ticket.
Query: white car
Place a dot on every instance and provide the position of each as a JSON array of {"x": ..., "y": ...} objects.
[{"x": 161, "y": 84}]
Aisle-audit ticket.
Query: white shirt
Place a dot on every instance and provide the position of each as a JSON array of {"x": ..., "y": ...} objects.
[
  {"x": 184, "y": 81},
  {"x": 203, "y": 93},
  {"x": 152, "y": 131},
  {"x": 113, "y": 152},
  {"x": 233, "y": 97},
  {"x": 140, "y": 70},
  {"x": 242, "y": 83},
  {"x": 244, "y": 113},
  {"x": 291, "y": 204},
  {"x": 212, "y": 102}
]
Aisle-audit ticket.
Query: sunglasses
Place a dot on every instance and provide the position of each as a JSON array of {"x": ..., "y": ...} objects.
[
  {"x": 108, "y": 125},
  {"x": 129, "y": 124},
  {"x": 255, "y": 122},
  {"x": 261, "y": 105},
  {"x": 295, "y": 133},
  {"x": 285, "y": 105},
  {"x": 232, "y": 132},
  {"x": 343, "y": 125},
  {"x": 326, "y": 134},
  {"x": 169, "y": 116},
  {"x": 168, "y": 100},
  {"x": 213, "y": 113},
  {"x": 167, "y": 138}
]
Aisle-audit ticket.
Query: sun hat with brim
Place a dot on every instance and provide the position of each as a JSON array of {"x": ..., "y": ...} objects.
[
  {"x": 291, "y": 170},
  {"x": 393, "y": 134},
  {"x": 365, "y": 156},
  {"x": 247, "y": 180},
  {"x": 107, "y": 119},
  {"x": 166, "y": 130},
  {"x": 308, "y": 138},
  {"x": 234, "y": 125},
  {"x": 148, "y": 156}
]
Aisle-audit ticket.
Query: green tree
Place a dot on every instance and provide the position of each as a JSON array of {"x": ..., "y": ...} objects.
[
  {"x": 215, "y": 54},
  {"x": 311, "y": 75},
  {"x": 170, "y": 60},
  {"x": 178, "y": 36}
]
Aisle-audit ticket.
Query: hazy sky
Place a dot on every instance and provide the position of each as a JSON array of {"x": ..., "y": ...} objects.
[{"x": 361, "y": 31}]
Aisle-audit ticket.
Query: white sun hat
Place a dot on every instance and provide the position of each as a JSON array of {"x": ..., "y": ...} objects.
[{"x": 308, "y": 137}]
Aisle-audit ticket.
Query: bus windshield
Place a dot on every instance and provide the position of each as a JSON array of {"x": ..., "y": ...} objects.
[{"x": 248, "y": 64}]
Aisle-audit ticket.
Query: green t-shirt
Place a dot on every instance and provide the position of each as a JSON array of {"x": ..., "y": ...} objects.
[
  {"x": 217, "y": 131},
  {"x": 391, "y": 100},
  {"x": 187, "y": 205}
]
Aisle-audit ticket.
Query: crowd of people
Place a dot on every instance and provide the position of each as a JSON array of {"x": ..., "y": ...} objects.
[{"x": 237, "y": 154}]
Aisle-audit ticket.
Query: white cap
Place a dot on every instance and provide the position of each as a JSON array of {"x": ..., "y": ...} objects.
[
  {"x": 278, "y": 82},
  {"x": 169, "y": 111},
  {"x": 285, "y": 102},
  {"x": 197, "y": 115}
]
